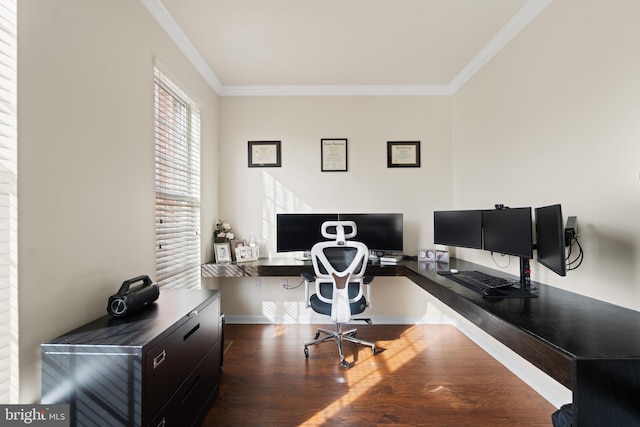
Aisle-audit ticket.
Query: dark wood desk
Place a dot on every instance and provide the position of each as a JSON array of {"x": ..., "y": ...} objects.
[
  {"x": 277, "y": 267},
  {"x": 590, "y": 346}
]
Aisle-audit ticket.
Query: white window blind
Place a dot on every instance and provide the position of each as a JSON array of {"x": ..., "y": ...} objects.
[
  {"x": 9, "y": 373},
  {"x": 177, "y": 182}
]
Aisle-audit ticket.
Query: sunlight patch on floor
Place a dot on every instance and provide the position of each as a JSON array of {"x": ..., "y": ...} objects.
[{"x": 363, "y": 377}]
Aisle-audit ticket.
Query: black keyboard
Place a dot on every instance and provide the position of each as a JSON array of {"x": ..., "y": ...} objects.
[
  {"x": 498, "y": 287},
  {"x": 486, "y": 279},
  {"x": 477, "y": 279}
]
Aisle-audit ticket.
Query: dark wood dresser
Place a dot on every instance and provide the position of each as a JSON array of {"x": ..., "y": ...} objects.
[{"x": 157, "y": 367}]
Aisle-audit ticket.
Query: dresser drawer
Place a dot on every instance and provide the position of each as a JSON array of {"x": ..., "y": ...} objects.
[
  {"x": 170, "y": 362},
  {"x": 191, "y": 401}
]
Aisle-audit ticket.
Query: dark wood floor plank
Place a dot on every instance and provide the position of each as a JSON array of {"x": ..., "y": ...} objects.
[{"x": 425, "y": 375}]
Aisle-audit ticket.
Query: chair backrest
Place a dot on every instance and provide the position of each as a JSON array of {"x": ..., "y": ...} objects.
[{"x": 339, "y": 262}]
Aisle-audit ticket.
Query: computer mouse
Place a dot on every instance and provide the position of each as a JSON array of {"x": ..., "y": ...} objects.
[
  {"x": 491, "y": 292},
  {"x": 453, "y": 270}
]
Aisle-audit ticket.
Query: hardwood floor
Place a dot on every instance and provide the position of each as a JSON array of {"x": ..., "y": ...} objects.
[{"x": 427, "y": 375}]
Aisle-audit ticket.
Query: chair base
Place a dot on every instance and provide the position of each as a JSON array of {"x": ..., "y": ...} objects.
[{"x": 339, "y": 336}]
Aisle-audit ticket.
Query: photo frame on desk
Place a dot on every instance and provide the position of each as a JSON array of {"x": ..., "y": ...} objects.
[
  {"x": 333, "y": 155},
  {"x": 246, "y": 253},
  {"x": 403, "y": 154},
  {"x": 236, "y": 243},
  {"x": 442, "y": 257},
  {"x": 264, "y": 154},
  {"x": 426, "y": 255},
  {"x": 222, "y": 252}
]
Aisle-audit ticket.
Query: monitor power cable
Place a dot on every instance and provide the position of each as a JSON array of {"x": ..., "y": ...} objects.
[{"x": 572, "y": 264}]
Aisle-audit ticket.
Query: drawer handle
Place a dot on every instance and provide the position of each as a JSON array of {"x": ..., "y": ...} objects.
[
  {"x": 193, "y": 313},
  {"x": 191, "y": 332},
  {"x": 159, "y": 359},
  {"x": 162, "y": 422},
  {"x": 188, "y": 393}
]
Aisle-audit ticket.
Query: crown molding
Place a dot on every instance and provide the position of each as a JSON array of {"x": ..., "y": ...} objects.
[
  {"x": 323, "y": 90},
  {"x": 526, "y": 14},
  {"x": 171, "y": 27},
  {"x": 517, "y": 23}
]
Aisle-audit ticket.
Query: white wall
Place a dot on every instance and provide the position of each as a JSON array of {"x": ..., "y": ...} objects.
[
  {"x": 86, "y": 161},
  {"x": 554, "y": 119},
  {"x": 250, "y": 197}
]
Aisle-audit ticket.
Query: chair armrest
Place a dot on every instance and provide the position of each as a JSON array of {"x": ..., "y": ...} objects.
[
  {"x": 366, "y": 280},
  {"x": 308, "y": 277}
]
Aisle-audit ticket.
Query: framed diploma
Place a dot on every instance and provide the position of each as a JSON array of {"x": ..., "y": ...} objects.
[
  {"x": 403, "y": 154},
  {"x": 334, "y": 155},
  {"x": 264, "y": 154}
]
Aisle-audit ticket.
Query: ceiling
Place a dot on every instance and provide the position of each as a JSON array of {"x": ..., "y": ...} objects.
[{"x": 324, "y": 47}]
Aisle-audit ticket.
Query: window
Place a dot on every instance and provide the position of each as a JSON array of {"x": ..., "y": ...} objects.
[
  {"x": 9, "y": 378},
  {"x": 177, "y": 185}
]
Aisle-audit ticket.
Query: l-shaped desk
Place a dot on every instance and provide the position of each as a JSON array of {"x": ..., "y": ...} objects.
[{"x": 589, "y": 346}]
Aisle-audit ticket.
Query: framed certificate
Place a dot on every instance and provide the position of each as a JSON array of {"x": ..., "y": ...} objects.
[
  {"x": 264, "y": 154},
  {"x": 403, "y": 154},
  {"x": 334, "y": 155}
]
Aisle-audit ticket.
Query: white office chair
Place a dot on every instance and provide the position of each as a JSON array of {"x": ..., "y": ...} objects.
[{"x": 339, "y": 267}]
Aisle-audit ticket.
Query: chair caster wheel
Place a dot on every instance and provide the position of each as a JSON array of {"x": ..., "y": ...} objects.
[
  {"x": 373, "y": 350},
  {"x": 317, "y": 336},
  {"x": 306, "y": 352},
  {"x": 345, "y": 364}
]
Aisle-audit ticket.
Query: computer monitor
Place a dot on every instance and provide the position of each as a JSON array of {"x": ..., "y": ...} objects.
[
  {"x": 508, "y": 231},
  {"x": 462, "y": 228},
  {"x": 550, "y": 244},
  {"x": 298, "y": 232},
  {"x": 381, "y": 232}
]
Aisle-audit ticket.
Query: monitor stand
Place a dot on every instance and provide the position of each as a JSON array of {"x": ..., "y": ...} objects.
[{"x": 525, "y": 274}]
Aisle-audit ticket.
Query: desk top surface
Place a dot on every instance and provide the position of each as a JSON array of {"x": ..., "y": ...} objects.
[{"x": 573, "y": 324}]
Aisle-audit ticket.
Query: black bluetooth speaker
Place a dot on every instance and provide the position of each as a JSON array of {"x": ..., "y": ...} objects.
[{"x": 129, "y": 300}]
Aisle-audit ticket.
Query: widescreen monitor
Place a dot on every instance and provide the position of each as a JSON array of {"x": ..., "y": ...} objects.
[
  {"x": 550, "y": 244},
  {"x": 298, "y": 232},
  {"x": 462, "y": 228},
  {"x": 381, "y": 232},
  {"x": 508, "y": 231}
]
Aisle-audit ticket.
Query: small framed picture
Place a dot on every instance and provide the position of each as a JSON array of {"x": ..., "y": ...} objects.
[
  {"x": 236, "y": 243},
  {"x": 426, "y": 255},
  {"x": 264, "y": 154},
  {"x": 403, "y": 154},
  {"x": 246, "y": 253},
  {"x": 442, "y": 256},
  {"x": 334, "y": 155},
  {"x": 222, "y": 252}
]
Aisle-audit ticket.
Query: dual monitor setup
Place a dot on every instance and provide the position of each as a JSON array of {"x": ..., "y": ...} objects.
[
  {"x": 298, "y": 232},
  {"x": 508, "y": 231}
]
